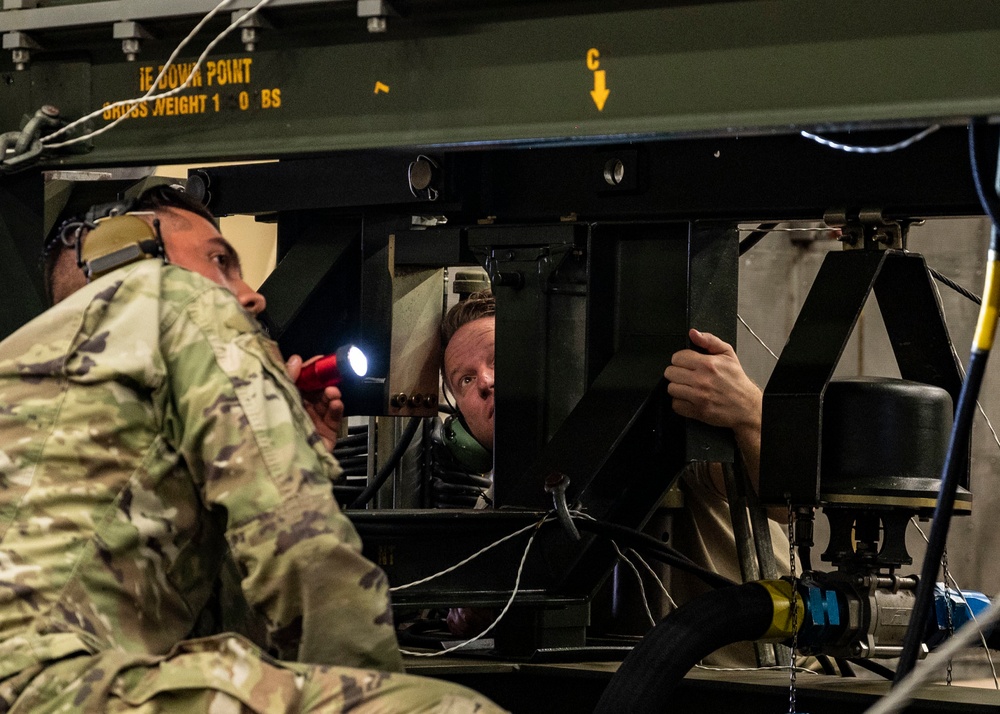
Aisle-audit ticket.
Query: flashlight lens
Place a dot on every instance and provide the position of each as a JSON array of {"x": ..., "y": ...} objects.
[{"x": 359, "y": 363}]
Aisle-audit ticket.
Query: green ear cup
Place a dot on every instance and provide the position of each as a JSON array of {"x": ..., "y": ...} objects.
[
  {"x": 464, "y": 446},
  {"x": 116, "y": 242}
]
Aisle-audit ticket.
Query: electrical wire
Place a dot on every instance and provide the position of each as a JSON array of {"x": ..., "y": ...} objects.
[
  {"x": 872, "y": 149},
  {"x": 390, "y": 465},
  {"x": 150, "y": 95},
  {"x": 780, "y": 667},
  {"x": 584, "y": 520},
  {"x": 756, "y": 236},
  {"x": 955, "y": 286},
  {"x": 656, "y": 577},
  {"x": 652, "y": 547},
  {"x": 472, "y": 557},
  {"x": 503, "y": 612},
  {"x": 982, "y": 411},
  {"x": 638, "y": 576},
  {"x": 756, "y": 337},
  {"x": 961, "y": 431}
]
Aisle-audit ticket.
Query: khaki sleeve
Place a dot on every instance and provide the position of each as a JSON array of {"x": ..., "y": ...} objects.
[{"x": 238, "y": 422}]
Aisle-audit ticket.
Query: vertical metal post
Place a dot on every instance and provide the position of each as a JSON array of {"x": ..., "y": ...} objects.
[{"x": 22, "y": 208}]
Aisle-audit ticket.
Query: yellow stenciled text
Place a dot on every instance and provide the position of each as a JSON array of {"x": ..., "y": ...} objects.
[
  {"x": 180, "y": 106},
  {"x": 214, "y": 73},
  {"x": 228, "y": 71},
  {"x": 141, "y": 110}
]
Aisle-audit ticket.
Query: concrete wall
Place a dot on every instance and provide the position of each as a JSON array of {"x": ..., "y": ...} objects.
[{"x": 775, "y": 277}]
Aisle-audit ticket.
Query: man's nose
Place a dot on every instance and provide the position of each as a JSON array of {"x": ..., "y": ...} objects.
[
  {"x": 486, "y": 379},
  {"x": 252, "y": 301}
]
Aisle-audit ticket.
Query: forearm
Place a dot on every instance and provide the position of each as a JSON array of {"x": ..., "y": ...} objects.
[{"x": 323, "y": 602}]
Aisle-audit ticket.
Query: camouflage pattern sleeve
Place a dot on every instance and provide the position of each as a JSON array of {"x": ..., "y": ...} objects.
[{"x": 235, "y": 417}]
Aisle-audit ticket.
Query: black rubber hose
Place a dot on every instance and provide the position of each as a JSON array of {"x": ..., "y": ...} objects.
[
  {"x": 390, "y": 465},
  {"x": 643, "y": 683}
]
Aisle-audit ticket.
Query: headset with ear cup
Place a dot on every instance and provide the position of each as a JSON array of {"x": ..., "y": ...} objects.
[
  {"x": 115, "y": 237},
  {"x": 464, "y": 446}
]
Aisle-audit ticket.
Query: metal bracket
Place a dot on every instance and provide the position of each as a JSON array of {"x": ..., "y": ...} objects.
[
  {"x": 20, "y": 45},
  {"x": 377, "y": 13},
  {"x": 131, "y": 34},
  {"x": 18, "y": 149},
  {"x": 250, "y": 28},
  {"x": 868, "y": 231}
]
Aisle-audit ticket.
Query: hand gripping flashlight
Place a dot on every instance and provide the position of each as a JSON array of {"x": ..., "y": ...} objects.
[{"x": 348, "y": 362}]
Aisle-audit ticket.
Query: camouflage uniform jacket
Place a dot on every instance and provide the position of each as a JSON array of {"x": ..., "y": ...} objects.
[{"x": 146, "y": 424}]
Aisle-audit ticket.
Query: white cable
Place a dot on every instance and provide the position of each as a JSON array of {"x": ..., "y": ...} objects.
[
  {"x": 655, "y": 577},
  {"x": 149, "y": 96},
  {"x": 757, "y": 337},
  {"x": 988, "y": 423},
  {"x": 642, "y": 588},
  {"x": 872, "y": 149},
  {"x": 961, "y": 369},
  {"x": 152, "y": 89},
  {"x": 901, "y": 694},
  {"x": 510, "y": 601},
  {"x": 797, "y": 229},
  {"x": 782, "y": 667},
  {"x": 982, "y": 637},
  {"x": 472, "y": 557}
]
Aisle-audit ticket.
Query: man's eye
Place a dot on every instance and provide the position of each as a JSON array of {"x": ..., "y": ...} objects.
[{"x": 222, "y": 260}]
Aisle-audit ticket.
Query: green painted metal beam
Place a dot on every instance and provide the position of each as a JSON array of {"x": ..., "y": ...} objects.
[{"x": 319, "y": 82}]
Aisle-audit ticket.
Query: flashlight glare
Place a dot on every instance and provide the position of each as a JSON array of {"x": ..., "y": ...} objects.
[{"x": 358, "y": 361}]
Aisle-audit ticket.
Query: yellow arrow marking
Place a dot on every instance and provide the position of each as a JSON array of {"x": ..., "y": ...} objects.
[
  {"x": 379, "y": 87},
  {"x": 600, "y": 92}
]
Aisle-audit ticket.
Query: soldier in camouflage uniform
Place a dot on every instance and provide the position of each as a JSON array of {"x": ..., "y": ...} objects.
[{"x": 147, "y": 428}]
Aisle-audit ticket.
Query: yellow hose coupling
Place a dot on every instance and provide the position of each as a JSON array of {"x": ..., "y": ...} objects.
[{"x": 781, "y": 593}]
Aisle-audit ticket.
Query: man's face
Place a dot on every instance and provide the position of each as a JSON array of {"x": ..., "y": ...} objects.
[
  {"x": 468, "y": 370},
  {"x": 192, "y": 242}
]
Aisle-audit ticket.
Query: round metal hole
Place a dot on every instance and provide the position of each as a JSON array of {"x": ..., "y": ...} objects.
[{"x": 614, "y": 172}]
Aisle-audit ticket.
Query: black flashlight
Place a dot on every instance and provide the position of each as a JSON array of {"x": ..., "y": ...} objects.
[{"x": 346, "y": 363}]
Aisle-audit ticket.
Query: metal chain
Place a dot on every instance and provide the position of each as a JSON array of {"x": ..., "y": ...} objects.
[
  {"x": 795, "y": 614},
  {"x": 947, "y": 606}
]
